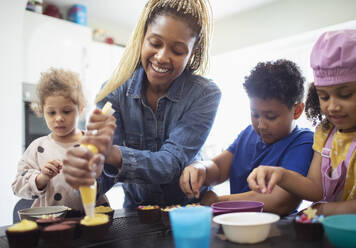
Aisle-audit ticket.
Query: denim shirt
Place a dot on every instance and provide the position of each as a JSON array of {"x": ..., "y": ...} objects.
[{"x": 156, "y": 146}]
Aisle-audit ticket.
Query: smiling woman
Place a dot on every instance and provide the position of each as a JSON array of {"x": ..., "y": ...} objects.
[{"x": 164, "y": 108}]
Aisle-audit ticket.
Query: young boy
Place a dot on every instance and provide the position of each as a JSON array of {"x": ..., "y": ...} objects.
[{"x": 275, "y": 90}]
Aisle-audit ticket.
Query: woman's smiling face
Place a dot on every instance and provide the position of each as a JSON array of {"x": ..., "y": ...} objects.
[{"x": 166, "y": 50}]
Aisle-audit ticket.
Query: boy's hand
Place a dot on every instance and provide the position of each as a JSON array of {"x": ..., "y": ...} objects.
[
  {"x": 52, "y": 168},
  {"x": 263, "y": 178},
  {"x": 209, "y": 198},
  {"x": 192, "y": 179}
]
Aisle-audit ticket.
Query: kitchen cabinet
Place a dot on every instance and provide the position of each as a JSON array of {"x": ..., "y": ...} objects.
[
  {"x": 51, "y": 42},
  {"x": 103, "y": 60}
]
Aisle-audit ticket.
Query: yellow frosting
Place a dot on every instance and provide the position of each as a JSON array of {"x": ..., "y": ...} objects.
[
  {"x": 91, "y": 148},
  {"x": 88, "y": 194},
  {"x": 24, "y": 225},
  {"x": 98, "y": 219},
  {"x": 148, "y": 207},
  {"x": 48, "y": 216},
  {"x": 169, "y": 208},
  {"x": 103, "y": 209}
]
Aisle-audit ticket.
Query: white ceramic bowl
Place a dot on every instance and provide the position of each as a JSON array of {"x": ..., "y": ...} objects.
[
  {"x": 38, "y": 212},
  {"x": 246, "y": 227}
]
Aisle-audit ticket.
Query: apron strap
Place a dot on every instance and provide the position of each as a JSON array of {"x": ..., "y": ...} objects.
[
  {"x": 333, "y": 186},
  {"x": 350, "y": 151},
  {"x": 326, "y": 151}
]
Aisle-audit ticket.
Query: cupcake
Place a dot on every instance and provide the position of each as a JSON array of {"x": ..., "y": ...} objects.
[
  {"x": 47, "y": 220},
  {"x": 57, "y": 235},
  {"x": 165, "y": 214},
  {"x": 95, "y": 228},
  {"x": 193, "y": 205},
  {"x": 105, "y": 210},
  {"x": 23, "y": 234},
  {"x": 149, "y": 214},
  {"x": 308, "y": 225},
  {"x": 75, "y": 223},
  {"x": 73, "y": 213}
]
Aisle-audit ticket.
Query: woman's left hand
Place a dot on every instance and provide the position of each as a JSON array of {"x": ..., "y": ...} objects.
[
  {"x": 81, "y": 167},
  {"x": 101, "y": 129}
]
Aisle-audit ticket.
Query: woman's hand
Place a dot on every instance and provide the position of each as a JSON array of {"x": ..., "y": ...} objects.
[
  {"x": 82, "y": 167},
  {"x": 101, "y": 129},
  {"x": 192, "y": 179},
  {"x": 263, "y": 178}
]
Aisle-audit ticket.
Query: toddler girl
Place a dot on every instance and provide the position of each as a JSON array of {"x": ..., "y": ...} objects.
[
  {"x": 60, "y": 100},
  {"x": 331, "y": 102}
]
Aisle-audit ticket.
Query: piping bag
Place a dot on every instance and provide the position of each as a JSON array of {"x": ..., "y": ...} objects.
[{"x": 88, "y": 193}]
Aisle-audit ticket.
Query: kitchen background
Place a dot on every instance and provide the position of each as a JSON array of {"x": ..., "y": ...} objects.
[{"x": 245, "y": 32}]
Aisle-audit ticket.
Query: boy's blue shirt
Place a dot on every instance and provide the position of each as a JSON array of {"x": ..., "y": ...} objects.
[
  {"x": 293, "y": 152},
  {"x": 156, "y": 146}
]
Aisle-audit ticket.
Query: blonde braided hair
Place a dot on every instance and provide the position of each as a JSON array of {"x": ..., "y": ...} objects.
[{"x": 199, "y": 11}]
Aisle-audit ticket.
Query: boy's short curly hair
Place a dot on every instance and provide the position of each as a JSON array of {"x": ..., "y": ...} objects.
[
  {"x": 280, "y": 79},
  {"x": 60, "y": 82}
]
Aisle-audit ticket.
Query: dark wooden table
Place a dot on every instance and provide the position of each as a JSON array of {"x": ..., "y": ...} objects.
[{"x": 126, "y": 231}]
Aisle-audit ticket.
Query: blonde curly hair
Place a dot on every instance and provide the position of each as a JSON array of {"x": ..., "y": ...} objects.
[
  {"x": 58, "y": 82},
  {"x": 198, "y": 16}
]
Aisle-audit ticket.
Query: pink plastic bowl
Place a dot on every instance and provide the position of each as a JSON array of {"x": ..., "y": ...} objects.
[{"x": 236, "y": 206}]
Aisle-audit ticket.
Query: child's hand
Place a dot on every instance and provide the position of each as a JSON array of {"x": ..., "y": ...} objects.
[
  {"x": 48, "y": 171},
  {"x": 209, "y": 198},
  {"x": 52, "y": 168},
  {"x": 192, "y": 179},
  {"x": 101, "y": 129},
  {"x": 263, "y": 178}
]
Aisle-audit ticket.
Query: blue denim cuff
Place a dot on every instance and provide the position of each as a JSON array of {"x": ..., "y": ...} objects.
[
  {"x": 129, "y": 164},
  {"x": 110, "y": 171}
]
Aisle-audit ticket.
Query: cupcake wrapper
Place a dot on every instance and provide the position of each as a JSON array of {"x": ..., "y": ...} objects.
[
  {"x": 22, "y": 239},
  {"x": 95, "y": 233}
]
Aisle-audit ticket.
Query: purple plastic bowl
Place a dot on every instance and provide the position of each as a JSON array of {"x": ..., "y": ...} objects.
[{"x": 236, "y": 206}]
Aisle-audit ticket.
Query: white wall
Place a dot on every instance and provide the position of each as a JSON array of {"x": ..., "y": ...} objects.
[
  {"x": 11, "y": 18},
  {"x": 229, "y": 69},
  {"x": 277, "y": 20},
  {"x": 114, "y": 30}
]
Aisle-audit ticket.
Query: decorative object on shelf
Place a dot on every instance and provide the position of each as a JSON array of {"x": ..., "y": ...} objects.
[
  {"x": 109, "y": 40},
  {"x": 35, "y": 6},
  {"x": 52, "y": 10},
  {"x": 78, "y": 14},
  {"x": 30, "y": 5},
  {"x": 99, "y": 35}
]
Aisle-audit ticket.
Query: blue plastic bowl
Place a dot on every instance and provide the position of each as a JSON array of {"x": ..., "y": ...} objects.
[{"x": 341, "y": 230}]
